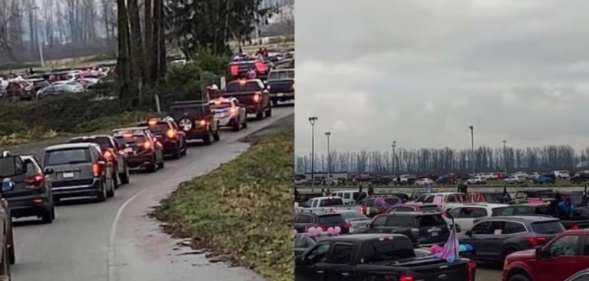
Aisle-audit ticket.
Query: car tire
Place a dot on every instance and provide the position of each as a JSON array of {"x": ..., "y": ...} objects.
[
  {"x": 48, "y": 215},
  {"x": 518, "y": 277},
  {"x": 269, "y": 111},
  {"x": 101, "y": 193},
  {"x": 125, "y": 176}
]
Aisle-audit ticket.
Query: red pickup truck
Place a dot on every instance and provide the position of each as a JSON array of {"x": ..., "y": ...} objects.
[{"x": 557, "y": 260}]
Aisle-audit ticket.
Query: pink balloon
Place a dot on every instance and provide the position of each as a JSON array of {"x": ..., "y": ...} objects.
[
  {"x": 330, "y": 230},
  {"x": 337, "y": 230}
]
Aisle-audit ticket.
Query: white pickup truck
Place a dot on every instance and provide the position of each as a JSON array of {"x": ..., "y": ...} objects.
[{"x": 322, "y": 204}]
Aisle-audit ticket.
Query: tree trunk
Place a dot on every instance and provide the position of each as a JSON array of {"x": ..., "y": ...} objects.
[
  {"x": 155, "y": 58},
  {"x": 162, "y": 42},
  {"x": 148, "y": 16},
  {"x": 123, "y": 69},
  {"x": 136, "y": 51}
]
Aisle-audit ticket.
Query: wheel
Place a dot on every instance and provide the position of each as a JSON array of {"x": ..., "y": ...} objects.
[
  {"x": 209, "y": 138},
  {"x": 48, "y": 215},
  {"x": 111, "y": 191},
  {"x": 152, "y": 165},
  {"x": 101, "y": 193},
  {"x": 519, "y": 277},
  {"x": 269, "y": 111},
  {"x": 216, "y": 135},
  {"x": 125, "y": 176}
]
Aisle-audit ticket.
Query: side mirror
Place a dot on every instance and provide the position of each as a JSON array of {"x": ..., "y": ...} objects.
[
  {"x": 541, "y": 253},
  {"x": 49, "y": 171}
]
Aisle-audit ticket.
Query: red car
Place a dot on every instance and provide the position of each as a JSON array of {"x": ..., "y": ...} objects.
[{"x": 557, "y": 260}]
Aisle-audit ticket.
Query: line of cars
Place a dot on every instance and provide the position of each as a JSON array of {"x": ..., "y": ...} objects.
[
  {"x": 497, "y": 227},
  {"x": 96, "y": 165}
]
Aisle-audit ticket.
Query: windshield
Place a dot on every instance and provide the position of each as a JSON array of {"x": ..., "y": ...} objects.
[
  {"x": 353, "y": 216},
  {"x": 547, "y": 227},
  {"x": 432, "y": 220},
  {"x": 67, "y": 156},
  {"x": 331, "y": 220}
]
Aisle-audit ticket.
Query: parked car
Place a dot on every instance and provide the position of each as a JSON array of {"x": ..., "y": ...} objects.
[
  {"x": 229, "y": 112},
  {"x": 476, "y": 180},
  {"x": 302, "y": 243},
  {"x": 10, "y": 166},
  {"x": 545, "y": 179},
  {"x": 21, "y": 89},
  {"x": 515, "y": 180},
  {"x": 197, "y": 120},
  {"x": 579, "y": 219},
  {"x": 167, "y": 133},
  {"x": 239, "y": 69},
  {"x": 409, "y": 207},
  {"x": 562, "y": 174},
  {"x": 495, "y": 238},
  {"x": 489, "y": 197},
  {"x": 61, "y": 89},
  {"x": 559, "y": 259},
  {"x": 112, "y": 152},
  {"x": 324, "y": 220},
  {"x": 30, "y": 195},
  {"x": 447, "y": 179},
  {"x": 374, "y": 205},
  {"x": 281, "y": 85},
  {"x": 444, "y": 200},
  {"x": 376, "y": 257},
  {"x": 580, "y": 177},
  {"x": 251, "y": 93},
  {"x": 424, "y": 182},
  {"x": 466, "y": 215},
  {"x": 79, "y": 169},
  {"x": 357, "y": 222},
  {"x": 320, "y": 204},
  {"x": 142, "y": 148},
  {"x": 422, "y": 228}
]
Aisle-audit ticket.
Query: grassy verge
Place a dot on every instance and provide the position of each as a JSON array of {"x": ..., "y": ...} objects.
[{"x": 242, "y": 209}]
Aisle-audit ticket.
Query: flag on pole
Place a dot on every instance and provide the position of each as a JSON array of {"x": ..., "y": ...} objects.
[{"x": 450, "y": 251}]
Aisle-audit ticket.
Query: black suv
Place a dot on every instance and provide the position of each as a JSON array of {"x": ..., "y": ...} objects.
[
  {"x": 306, "y": 220},
  {"x": 196, "y": 119},
  {"x": 31, "y": 194},
  {"x": 112, "y": 152},
  {"x": 422, "y": 228},
  {"x": 166, "y": 131}
]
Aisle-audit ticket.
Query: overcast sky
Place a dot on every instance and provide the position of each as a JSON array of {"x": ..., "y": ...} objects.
[{"x": 421, "y": 72}]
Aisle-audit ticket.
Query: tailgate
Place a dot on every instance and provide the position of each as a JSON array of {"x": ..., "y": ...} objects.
[
  {"x": 434, "y": 269},
  {"x": 246, "y": 98},
  {"x": 280, "y": 86}
]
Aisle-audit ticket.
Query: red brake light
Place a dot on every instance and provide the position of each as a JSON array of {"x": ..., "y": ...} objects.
[
  {"x": 35, "y": 181},
  {"x": 472, "y": 265},
  {"x": 234, "y": 69},
  {"x": 406, "y": 277},
  {"x": 171, "y": 133},
  {"x": 96, "y": 169},
  {"x": 537, "y": 241},
  {"x": 202, "y": 123},
  {"x": 257, "y": 97},
  {"x": 260, "y": 67},
  {"x": 147, "y": 145}
]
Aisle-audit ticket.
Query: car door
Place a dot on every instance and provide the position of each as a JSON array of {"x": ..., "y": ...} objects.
[
  {"x": 378, "y": 225},
  {"x": 492, "y": 245},
  {"x": 564, "y": 254},
  {"x": 479, "y": 233},
  {"x": 311, "y": 266},
  {"x": 338, "y": 266}
]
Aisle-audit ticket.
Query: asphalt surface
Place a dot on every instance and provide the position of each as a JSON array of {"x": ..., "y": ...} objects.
[{"x": 116, "y": 240}]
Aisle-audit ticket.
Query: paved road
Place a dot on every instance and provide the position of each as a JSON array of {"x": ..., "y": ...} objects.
[{"x": 115, "y": 240}]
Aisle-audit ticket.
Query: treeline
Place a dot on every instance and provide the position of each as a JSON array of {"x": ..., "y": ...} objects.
[{"x": 446, "y": 160}]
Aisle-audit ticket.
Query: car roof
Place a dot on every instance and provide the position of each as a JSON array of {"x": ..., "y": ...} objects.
[
  {"x": 131, "y": 128},
  {"x": 483, "y": 205},
  {"x": 71, "y": 146},
  {"x": 416, "y": 213},
  {"x": 364, "y": 237},
  {"x": 326, "y": 197},
  {"x": 528, "y": 219}
]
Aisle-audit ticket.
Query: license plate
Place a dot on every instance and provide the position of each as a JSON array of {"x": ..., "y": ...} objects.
[
  {"x": 434, "y": 234},
  {"x": 68, "y": 175},
  {"x": 280, "y": 95}
]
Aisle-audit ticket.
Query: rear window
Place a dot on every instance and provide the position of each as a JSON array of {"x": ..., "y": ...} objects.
[
  {"x": 159, "y": 129},
  {"x": 193, "y": 111},
  {"x": 431, "y": 220},
  {"x": 378, "y": 250},
  {"x": 353, "y": 216},
  {"x": 8, "y": 167},
  {"x": 431, "y": 208},
  {"x": 276, "y": 75},
  {"x": 237, "y": 86},
  {"x": 221, "y": 105},
  {"x": 548, "y": 227},
  {"x": 336, "y": 219},
  {"x": 67, "y": 156},
  {"x": 331, "y": 202},
  {"x": 494, "y": 197},
  {"x": 101, "y": 141}
]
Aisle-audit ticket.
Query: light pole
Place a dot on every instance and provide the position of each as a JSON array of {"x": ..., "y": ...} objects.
[
  {"x": 472, "y": 148},
  {"x": 312, "y": 120},
  {"x": 394, "y": 158},
  {"x": 328, "y": 134},
  {"x": 504, "y": 157}
]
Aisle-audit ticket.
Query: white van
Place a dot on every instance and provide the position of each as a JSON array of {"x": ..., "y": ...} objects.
[{"x": 348, "y": 196}]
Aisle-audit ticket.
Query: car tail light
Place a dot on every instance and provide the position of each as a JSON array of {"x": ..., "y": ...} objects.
[
  {"x": 35, "y": 181},
  {"x": 202, "y": 123},
  {"x": 472, "y": 266},
  {"x": 261, "y": 67},
  {"x": 537, "y": 241},
  {"x": 406, "y": 277},
  {"x": 38, "y": 200},
  {"x": 257, "y": 97},
  {"x": 171, "y": 133},
  {"x": 234, "y": 69},
  {"x": 147, "y": 145},
  {"x": 96, "y": 169}
]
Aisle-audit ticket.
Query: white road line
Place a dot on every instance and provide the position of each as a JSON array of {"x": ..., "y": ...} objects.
[{"x": 110, "y": 262}]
